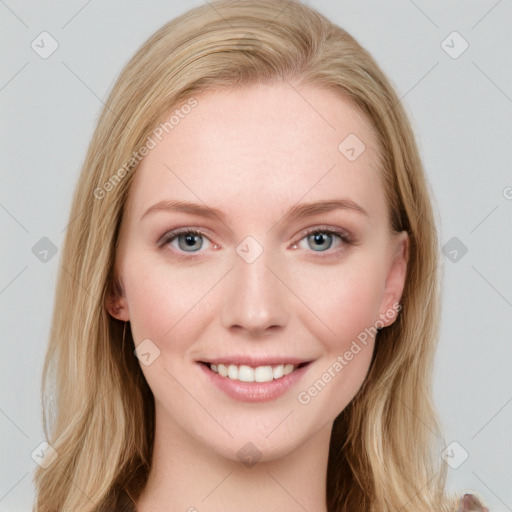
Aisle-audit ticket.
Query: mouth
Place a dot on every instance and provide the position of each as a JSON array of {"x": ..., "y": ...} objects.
[
  {"x": 250, "y": 373},
  {"x": 251, "y": 378}
]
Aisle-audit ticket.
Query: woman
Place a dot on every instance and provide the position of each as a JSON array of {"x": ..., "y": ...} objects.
[{"x": 252, "y": 219}]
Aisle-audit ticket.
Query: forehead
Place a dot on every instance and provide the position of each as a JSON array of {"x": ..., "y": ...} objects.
[{"x": 241, "y": 148}]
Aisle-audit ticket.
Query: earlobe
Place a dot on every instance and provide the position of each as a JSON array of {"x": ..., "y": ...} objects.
[
  {"x": 115, "y": 303},
  {"x": 117, "y": 309},
  {"x": 395, "y": 282}
]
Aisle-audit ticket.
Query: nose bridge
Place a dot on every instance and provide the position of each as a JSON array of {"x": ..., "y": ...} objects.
[{"x": 255, "y": 300}]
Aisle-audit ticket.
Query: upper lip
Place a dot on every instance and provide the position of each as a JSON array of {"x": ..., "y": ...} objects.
[{"x": 255, "y": 361}]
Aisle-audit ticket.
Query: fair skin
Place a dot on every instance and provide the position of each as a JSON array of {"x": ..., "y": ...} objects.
[{"x": 253, "y": 154}]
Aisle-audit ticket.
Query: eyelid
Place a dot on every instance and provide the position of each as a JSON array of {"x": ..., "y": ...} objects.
[
  {"x": 345, "y": 236},
  {"x": 170, "y": 235}
]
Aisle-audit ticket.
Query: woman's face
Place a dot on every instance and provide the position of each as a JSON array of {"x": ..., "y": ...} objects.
[{"x": 290, "y": 262}]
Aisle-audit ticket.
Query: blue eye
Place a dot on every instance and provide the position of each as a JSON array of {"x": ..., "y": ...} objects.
[
  {"x": 188, "y": 240},
  {"x": 320, "y": 240}
]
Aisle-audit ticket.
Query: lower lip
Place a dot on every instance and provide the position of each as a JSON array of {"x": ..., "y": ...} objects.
[{"x": 254, "y": 391}]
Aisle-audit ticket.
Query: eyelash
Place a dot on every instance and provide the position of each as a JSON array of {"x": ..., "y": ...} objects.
[{"x": 344, "y": 236}]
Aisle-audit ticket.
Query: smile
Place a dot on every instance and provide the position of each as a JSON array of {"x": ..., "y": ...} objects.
[
  {"x": 246, "y": 373},
  {"x": 254, "y": 382}
]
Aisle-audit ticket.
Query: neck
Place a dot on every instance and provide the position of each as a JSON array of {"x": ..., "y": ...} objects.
[{"x": 187, "y": 475}]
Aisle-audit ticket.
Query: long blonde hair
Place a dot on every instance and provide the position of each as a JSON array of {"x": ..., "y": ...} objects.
[{"x": 385, "y": 446}]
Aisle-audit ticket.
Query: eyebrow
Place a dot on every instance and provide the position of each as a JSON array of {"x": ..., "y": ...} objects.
[{"x": 296, "y": 212}]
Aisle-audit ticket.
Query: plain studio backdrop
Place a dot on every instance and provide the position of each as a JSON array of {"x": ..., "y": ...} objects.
[{"x": 450, "y": 63}]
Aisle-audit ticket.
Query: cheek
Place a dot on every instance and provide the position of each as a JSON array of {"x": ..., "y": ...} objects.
[
  {"x": 348, "y": 306},
  {"x": 341, "y": 303},
  {"x": 166, "y": 304}
]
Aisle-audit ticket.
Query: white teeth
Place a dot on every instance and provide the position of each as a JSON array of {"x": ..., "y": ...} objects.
[
  {"x": 278, "y": 371},
  {"x": 233, "y": 371},
  {"x": 263, "y": 374},
  {"x": 245, "y": 373},
  {"x": 222, "y": 369},
  {"x": 288, "y": 369}
]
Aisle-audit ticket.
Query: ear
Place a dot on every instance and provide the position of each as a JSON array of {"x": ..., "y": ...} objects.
[
  {"x": 395, "y": 281},
  {"x": 115, "y": 301}
]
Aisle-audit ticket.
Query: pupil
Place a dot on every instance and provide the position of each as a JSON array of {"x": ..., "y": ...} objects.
[
  {"x": 321, "y": 239},
  {"x": 190, "y": 241}
]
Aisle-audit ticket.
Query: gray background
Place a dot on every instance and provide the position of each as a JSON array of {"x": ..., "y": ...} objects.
[{"x": 460, "y": 108}]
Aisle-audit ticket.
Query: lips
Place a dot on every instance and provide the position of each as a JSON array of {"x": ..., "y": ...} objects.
[{"x": 253, "y": 379}]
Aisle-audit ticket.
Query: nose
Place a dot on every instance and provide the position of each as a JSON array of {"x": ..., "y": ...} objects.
[{"x": 255, "y": 299}]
